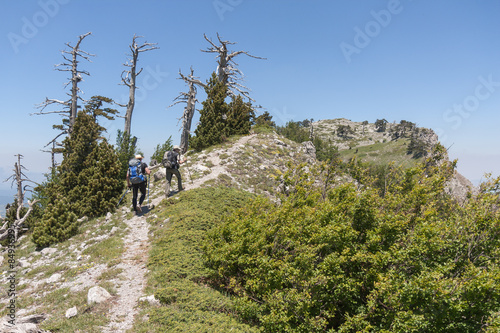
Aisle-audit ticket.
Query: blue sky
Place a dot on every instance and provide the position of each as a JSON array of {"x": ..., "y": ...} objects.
[{"x": 435, "y": 63}]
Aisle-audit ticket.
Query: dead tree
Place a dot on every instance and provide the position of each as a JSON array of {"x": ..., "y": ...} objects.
[
  {"x": 129, "y": 77},
  {"x": 69, "y": 107},
  {"x": 18, "y": 177},
  {"x": 190, "y": 99},
  {"x": 227, "y": 71},
  {"x": 70, "y": 64}
]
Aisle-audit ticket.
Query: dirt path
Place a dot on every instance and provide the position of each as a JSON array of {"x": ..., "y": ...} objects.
[{"x": 132, "y": 280}]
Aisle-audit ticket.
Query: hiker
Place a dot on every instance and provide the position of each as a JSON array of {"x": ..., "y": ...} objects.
[
  {"x": 174, "y": 157},
  {"x": 137, "y": 180}
]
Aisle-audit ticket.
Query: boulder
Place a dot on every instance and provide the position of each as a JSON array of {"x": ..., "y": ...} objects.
[
  {"x": 310, "y": 151},
  {"x": 97, "y": 295},
  {"x": 159, "y": 175},
  {"x": 54, "y": 278},
  {"x": 150, "y": 299},
  {"x": 70, "y": 313},
  {"x": 48, "y": 251}
]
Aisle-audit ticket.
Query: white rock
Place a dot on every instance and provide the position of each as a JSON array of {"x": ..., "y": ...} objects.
[
  {"x": 150, "y": 299},
  {"x": 201, "y": 168},
  {"x": 54, "y": 278},
  {"x": 109, "y": 216},
  {"x": 23, "y": 263},
  {"x": 48, "y": 251},
  {"x": 97, "y": 295},
  {"x": 159, "y": 175},
  {"x": 113, "y": 230},
  {"x": 71, "y": 312}
]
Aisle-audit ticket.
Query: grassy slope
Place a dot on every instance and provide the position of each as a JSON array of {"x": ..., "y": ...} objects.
[
  {"x": 177, "y": 273},
  {"x": 383, "y": 153}
]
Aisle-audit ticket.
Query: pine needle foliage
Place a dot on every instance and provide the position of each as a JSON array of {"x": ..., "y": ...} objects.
[
  {"x": 218, "y": 119},
  {"x": 88, "y": 179},
  {"x": 58, "y": 224}
]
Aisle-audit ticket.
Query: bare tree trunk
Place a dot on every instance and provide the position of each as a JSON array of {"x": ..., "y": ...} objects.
[
  {"x": 17, "y": 177},
  {"x": 227, "y": 71},
  {"x": 189, "y": 110},
  {"x": 129, "y": 78},
  {"x": 69, "y": 107}
]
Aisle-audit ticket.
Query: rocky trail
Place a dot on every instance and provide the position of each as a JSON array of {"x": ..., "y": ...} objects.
[{"x": 133, "y": 278}]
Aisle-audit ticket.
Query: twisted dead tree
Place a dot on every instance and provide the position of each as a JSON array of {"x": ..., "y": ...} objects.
[
  {"x": 70, "y": 64},
  {"x": 227, "y": 69},
  {"x": 68, "y": 108},
  {"x": 129, "y": 77},
  {"x": 18, "y": 177},
  {"x": 190, "y": 99}
]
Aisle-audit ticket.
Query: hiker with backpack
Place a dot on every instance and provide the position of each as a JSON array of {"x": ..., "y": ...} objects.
[
  {"x": 136, "y": 178},
  {"x": 171, "y": 162}
]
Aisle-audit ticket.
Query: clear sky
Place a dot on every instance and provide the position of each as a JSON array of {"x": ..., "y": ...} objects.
[{"x": 435, "y": 63}]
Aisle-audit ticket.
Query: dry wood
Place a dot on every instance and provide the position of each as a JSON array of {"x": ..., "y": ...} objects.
[{"x": 129, "y": 77}]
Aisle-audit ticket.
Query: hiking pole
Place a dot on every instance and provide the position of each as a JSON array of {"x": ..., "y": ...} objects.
[
  {"x": 128, "y": 188},
  {"x": 191, "y": 179},
  {"x": 149, "y": 177}
]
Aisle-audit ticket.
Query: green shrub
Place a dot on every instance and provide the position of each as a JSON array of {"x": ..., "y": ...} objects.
[
  {"x": 177, "y": 272},
  {"x": 352, "y": 259},
  {"x": 57, "y": 224}
]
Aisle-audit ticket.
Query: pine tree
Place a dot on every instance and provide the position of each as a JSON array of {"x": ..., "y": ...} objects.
[
  {"x": 211, "y": 129},
  {"x": 90, "y": 171},
  {"x": 58, "y": 224},
  {"x": 88, "y": 181},
  {"x": 239, "y": 117}
]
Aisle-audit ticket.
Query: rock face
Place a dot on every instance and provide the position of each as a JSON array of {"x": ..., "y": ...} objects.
[
  {"x": 459, "y": 186},
  {"x": 97, "y": 295},
  {"x": 310, "y": 151}
]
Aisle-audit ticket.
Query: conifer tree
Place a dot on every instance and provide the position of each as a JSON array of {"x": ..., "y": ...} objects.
[
  {"x": 58, "y": 224},
  {"x": 88, "y": 180},
  {"x": 90, "y": 171},
  {"x": 211, "y": 129},
  {"x": 239, "y": 117}
]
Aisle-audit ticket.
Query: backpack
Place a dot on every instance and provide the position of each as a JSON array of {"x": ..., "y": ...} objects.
[
  {"x": 169, "y": 160},
  {"x": 135, "y": 171}
]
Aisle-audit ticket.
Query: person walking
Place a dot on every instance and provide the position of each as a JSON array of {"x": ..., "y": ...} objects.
[
  {"x": 137, "y": 179},
  {"x": 174, "y": 157}
]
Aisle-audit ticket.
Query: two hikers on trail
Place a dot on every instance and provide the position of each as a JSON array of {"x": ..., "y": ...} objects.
[
  {"x": 171, "y": 162},
  {"x": 137, "y": 178}
]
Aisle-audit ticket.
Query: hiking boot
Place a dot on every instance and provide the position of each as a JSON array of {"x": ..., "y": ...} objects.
[{"x": 139, "y": 209}]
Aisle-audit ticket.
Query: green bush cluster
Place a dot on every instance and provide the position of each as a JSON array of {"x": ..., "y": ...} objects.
[{"x": 351, "y": 258}]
